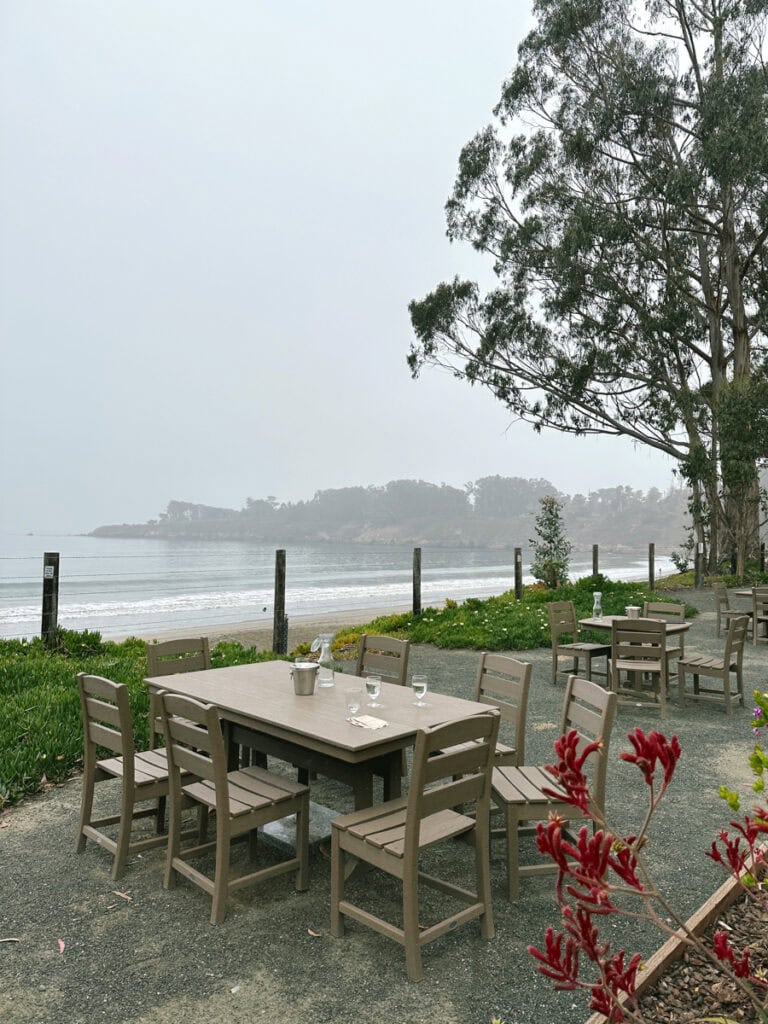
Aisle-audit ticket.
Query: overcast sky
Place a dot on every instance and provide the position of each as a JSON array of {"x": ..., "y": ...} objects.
[{"x": 213, "y": 216}]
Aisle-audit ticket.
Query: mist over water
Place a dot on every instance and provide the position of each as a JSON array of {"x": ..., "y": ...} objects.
[{"x": 120, "y": 587}]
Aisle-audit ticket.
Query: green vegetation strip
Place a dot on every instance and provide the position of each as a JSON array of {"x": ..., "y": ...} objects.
[{"x": 40, "y": 726}]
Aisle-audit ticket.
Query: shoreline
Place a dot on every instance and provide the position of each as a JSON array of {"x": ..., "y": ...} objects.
[{"x": 301, "y": 628}]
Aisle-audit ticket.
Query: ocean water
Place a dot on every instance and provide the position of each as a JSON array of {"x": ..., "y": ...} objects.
[{"x": 124, "y": 586}]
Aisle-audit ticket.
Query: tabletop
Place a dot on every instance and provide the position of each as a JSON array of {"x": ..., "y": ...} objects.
[
  {"x": 606, "y": 622},
  {"x": 261, "y": 696}
]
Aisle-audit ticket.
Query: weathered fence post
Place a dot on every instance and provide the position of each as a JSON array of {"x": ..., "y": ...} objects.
[
  {"x": 595, "y": 560},
  {"x": 651, "y": 566},
  {"x": 519, "y": 573},
  {"x": 417, "y": 581},
  {"x": 762, "y": 556},
  {"x": 50, "y": 597},
  {"x": 698, "y": 569},
  {"x": 279, "y": 622}
]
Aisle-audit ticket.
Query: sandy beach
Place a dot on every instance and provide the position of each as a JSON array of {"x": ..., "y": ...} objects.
[{"x": 301, "y": 628}]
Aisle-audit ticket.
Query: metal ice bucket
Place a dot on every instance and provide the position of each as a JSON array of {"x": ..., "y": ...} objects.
[{"x": 304, "y": 674}]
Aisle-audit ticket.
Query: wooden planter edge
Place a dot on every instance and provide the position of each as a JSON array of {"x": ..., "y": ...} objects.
[{"x": 675, "y": 946}]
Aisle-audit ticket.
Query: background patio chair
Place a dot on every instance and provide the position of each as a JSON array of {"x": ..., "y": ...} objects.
[
  {"x": 668, "y": 611},
  {"x": 167, "y": 657},
  {"x": 504, "y": 683},
  {"x": 723, "y": 609},
  {"x": 519, "y": 792},
  {"x": 391, "y": 836},
  {"x": 143, "y": 775},
  {"x": 563, "y": 622},
  {"x": 384, "y": 656},
  {"x": 640, "y": 649},
  {"x": 718, "y": 668},
  {"x": 759, "y": 615},
  {"x": 244, "y": 800}
]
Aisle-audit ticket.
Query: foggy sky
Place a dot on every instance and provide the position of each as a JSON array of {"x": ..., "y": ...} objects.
[{"x": 213, "y": 216}]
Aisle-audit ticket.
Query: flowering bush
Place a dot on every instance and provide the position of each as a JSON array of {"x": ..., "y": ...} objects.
[{"x": 594, "y": 869}]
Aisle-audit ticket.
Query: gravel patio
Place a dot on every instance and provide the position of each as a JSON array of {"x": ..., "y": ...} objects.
[{"x": 91, "y": 950}]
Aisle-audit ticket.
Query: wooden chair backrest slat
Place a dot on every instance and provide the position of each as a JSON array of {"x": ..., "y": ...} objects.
[
  {"x": 721, "y": 595},
  {"x": 461, "y": 762},
  {"x": 384, "y": 656},
  {"x": 460, "y": 791},
  {"x": 100, "y": 710},
  {"x": 103, "y": 736}
]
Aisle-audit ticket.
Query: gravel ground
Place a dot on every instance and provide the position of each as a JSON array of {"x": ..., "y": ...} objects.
[{"x": 134, "y": 953}]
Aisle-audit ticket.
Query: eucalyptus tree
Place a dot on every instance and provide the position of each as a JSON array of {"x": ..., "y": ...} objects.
[{"x": 622, "y": 194}]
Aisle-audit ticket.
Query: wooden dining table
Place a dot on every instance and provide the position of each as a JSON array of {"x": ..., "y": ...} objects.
[
  {"x": 605, "y": 622},
  {"x": 260, "y": 711}
]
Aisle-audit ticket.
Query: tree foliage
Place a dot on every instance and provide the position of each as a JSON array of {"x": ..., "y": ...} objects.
[
  {"x": 622, "y": 194},
  {"x": 551, "y": 547}
]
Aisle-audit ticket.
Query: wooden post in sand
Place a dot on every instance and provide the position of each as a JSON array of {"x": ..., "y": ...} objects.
[
  {"x": 50, "y": 597},
  {"x": 279, "y": 633},
  {"x": 417, "y": 581}
]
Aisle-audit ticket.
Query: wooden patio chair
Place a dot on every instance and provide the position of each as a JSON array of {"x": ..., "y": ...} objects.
[
  {"x": 518, "y": 792},
  {"x": 668, "y": 611},
  {"x": 143, "y": 774},
  {"x": 563, "y": 622},
  {"x": 244, "y": 800},
  {"x": 759, "y": 615},
  {"x": 384, "y": 656},
  {"x": 723, "y": 609},
  {"x": 504, "y": 683},
  {"x": 165, "y": 658},
  {"x": 718, "y": 668},
  {"x": 391, "y": 836},
  {"x": 640, "y": 649}
]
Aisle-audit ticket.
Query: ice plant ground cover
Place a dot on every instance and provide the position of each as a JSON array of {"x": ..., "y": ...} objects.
[{"x": 604, "y": 873}]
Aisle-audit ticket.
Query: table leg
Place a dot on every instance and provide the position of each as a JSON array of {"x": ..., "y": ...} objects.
[{"x": 393, "y": 779}]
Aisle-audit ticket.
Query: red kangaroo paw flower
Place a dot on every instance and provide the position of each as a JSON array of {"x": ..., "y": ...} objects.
[{"x": 652, "y": 750}]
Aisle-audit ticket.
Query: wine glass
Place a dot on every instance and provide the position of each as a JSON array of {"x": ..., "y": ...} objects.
[
  {"x": 373, "y": 689},
  {"x": 419, "y": 685},
  {"x": 353, "y": 697}
]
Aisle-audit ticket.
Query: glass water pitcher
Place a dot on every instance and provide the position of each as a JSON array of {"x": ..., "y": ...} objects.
[
  {"x": 597, "y": 604},
  {"x": 323, "y": 643}
]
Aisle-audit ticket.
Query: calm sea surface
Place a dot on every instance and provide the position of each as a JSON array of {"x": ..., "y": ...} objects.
[{"x": 121, "y": 587}]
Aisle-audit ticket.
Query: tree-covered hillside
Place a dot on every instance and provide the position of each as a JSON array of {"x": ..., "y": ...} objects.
[{"x": 494, "y": 512}]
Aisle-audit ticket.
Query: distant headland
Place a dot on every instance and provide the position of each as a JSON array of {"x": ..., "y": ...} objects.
[{"x": 493, "y": 512}]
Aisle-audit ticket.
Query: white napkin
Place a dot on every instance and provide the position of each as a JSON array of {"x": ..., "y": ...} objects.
[{"x": 367, "y": 722}]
